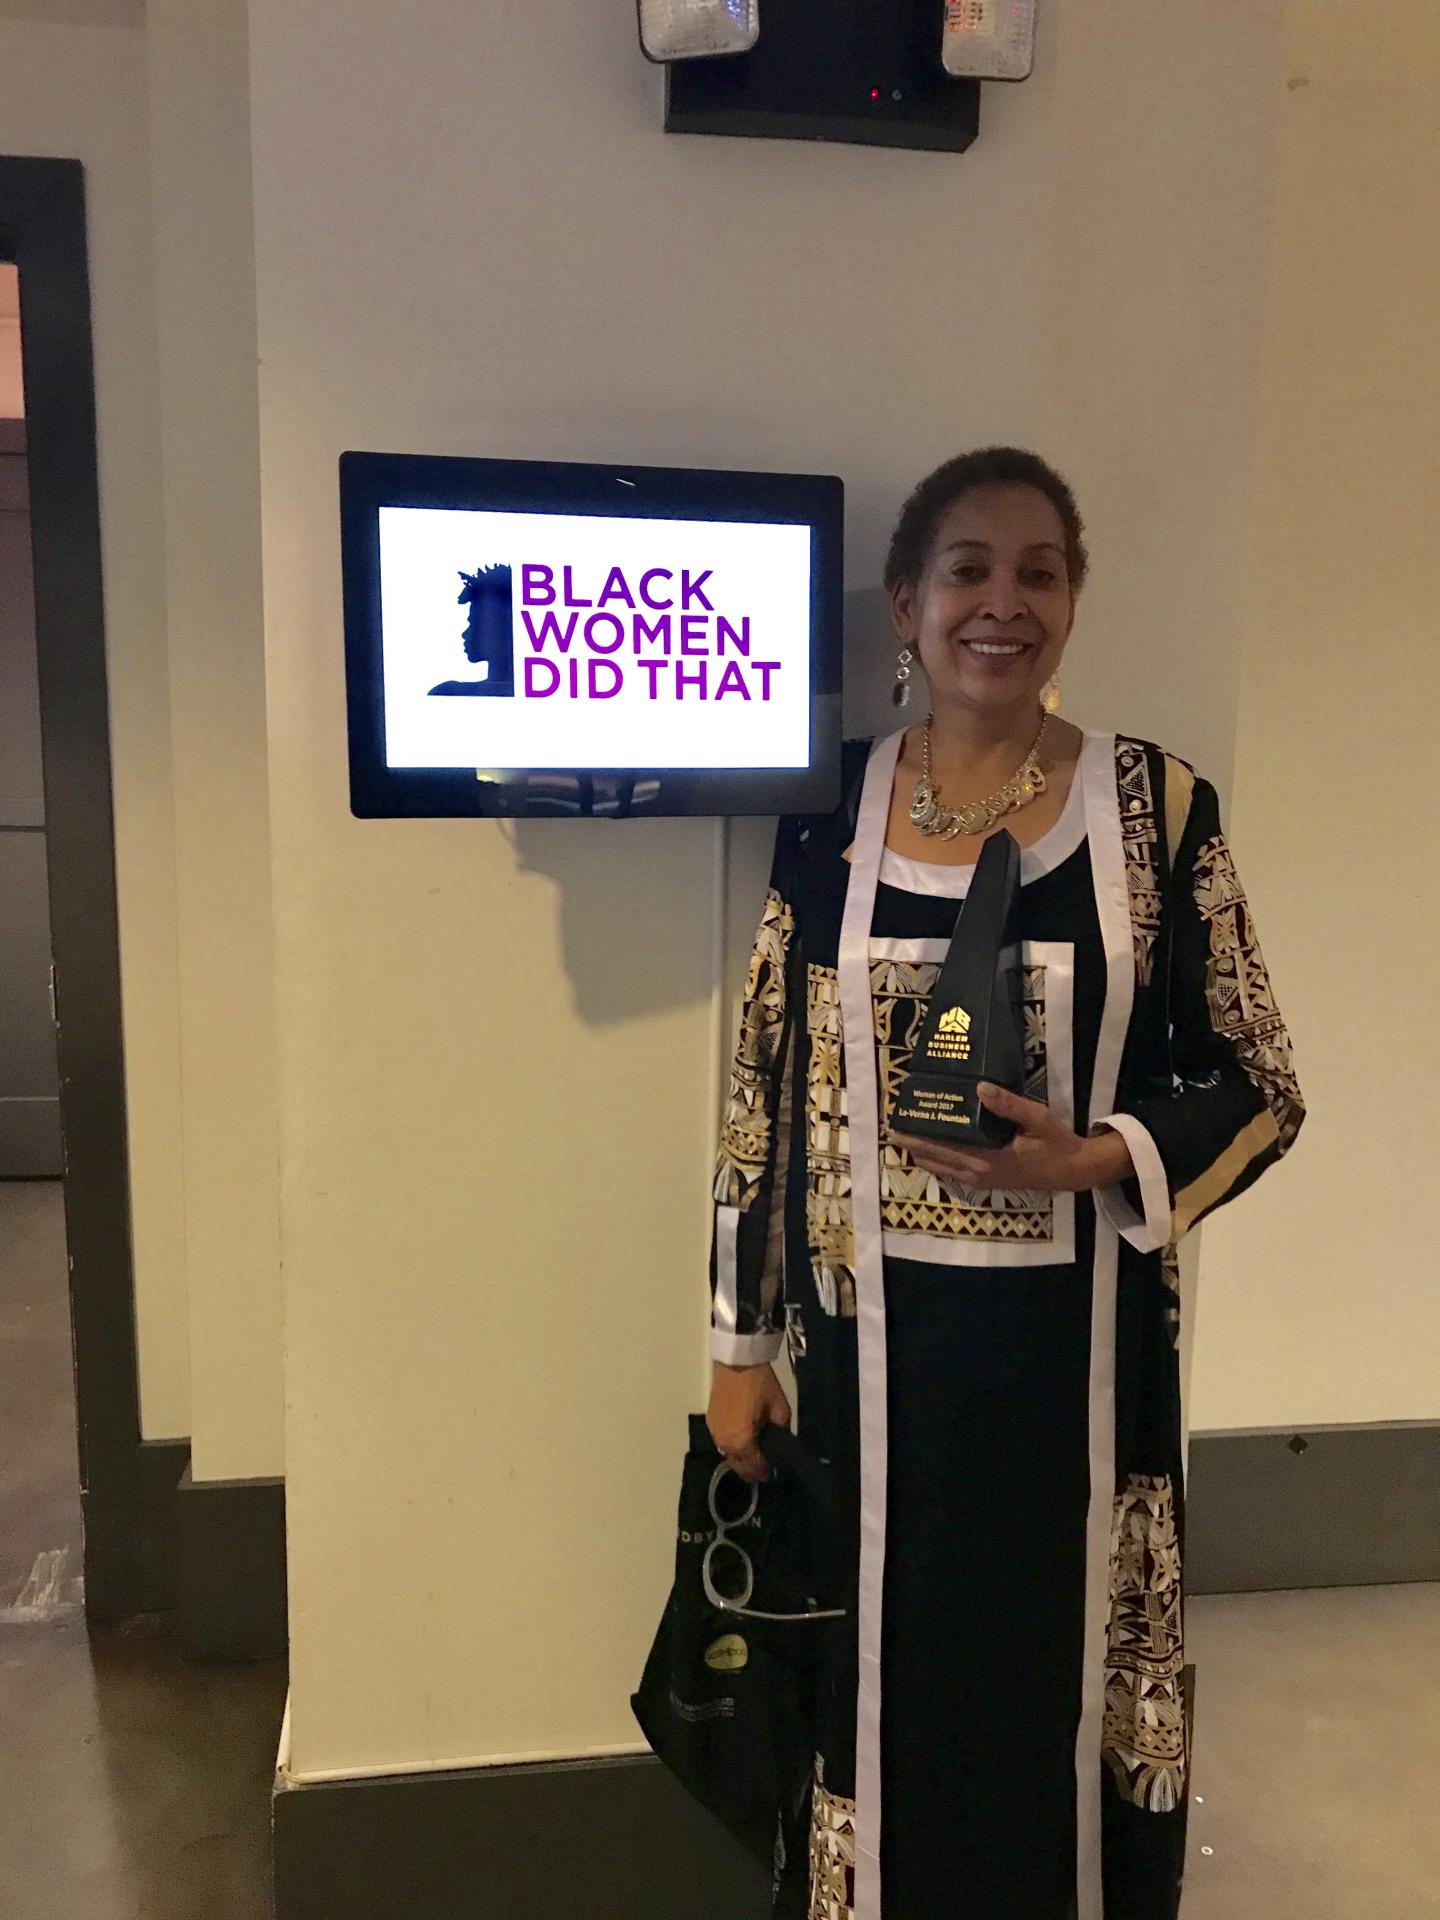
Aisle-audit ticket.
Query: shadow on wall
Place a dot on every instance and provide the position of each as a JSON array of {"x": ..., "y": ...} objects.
[
  {"x": 870, "y": 650},
  {"x": 633, "y": 907},
  {"x": 635, "y": 895}
]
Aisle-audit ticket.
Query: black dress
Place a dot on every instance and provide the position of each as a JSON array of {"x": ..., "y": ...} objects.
[{"x": 994, "y": 1375}]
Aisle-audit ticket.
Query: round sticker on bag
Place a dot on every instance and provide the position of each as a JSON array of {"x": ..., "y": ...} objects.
[{"x": 727, "y": 1654}]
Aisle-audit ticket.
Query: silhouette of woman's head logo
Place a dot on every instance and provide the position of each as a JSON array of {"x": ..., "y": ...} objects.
[{"x": 489, "y": 636}]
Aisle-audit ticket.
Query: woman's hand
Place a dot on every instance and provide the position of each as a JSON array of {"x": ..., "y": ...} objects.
[
  {"x": 743, "y": 1401},
  {"x": 1044, "y": 1156}
]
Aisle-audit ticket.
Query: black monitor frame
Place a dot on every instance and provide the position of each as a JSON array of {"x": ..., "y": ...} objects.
[{"x": 369, "y": 481}]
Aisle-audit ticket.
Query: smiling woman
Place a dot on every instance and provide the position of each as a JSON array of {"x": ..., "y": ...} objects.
[{"x": 985, "y": 1341}]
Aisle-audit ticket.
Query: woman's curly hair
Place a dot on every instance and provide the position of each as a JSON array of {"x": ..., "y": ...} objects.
[{"x": 913, "y": 540}]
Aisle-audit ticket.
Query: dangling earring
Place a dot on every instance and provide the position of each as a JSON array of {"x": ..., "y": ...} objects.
[
  {"x": 1050, "y": 698},
  {"x": 900, "y": 692}
]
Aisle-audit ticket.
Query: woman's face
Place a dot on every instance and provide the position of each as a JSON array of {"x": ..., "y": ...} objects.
[{"x": 993, "y": 609}]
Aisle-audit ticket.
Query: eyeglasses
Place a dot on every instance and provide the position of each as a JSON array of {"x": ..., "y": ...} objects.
[{"x": 739, "y": 1601}]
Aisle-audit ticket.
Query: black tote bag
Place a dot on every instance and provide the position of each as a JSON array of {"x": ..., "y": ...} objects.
[{"x": 727, "y": 1702}]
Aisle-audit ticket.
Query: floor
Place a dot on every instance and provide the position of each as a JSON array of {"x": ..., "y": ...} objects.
[
  {"x": 1317, "y": 1755},
  {"x": 136, "y": 1785}
]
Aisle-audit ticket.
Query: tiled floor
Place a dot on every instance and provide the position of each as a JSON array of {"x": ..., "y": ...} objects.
[{"x": 135, "y": 1786}]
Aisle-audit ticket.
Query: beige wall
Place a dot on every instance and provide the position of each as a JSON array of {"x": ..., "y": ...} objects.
[
  {"x": 1164, "y": 132},
  {"x": 1319, "y": 1301},
  {"x": 496, "y": 1110},
  {"x": 197, "y": 58},
  {"x": 76, "y": 13},
  {"x": 78, "y": 92},
  {"x": 12, "y": 384}
]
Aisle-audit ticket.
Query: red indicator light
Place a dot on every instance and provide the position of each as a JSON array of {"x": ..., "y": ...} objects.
[{"x": 874, "y": 93}]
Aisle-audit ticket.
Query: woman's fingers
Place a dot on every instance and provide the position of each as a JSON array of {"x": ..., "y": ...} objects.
[
  {"x": 750, "y": 1463},
  {"x": 742, "y": 1450},
  {"x": 777, "y": 1407},
  {"x": 1043, "y": 1156},
  {"x": 920, "y": 1148},
  {"x": 950, "y": 1163},
  {"x": 744, "y": 1400},
  {"x": 989, "y": 1167},
  {"x": 1031, "y": 1116},
  {"x": 955, "y": 1166}
]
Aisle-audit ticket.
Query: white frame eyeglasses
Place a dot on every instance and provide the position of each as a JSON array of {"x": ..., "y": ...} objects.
[{"x": 723, "y": 1529}]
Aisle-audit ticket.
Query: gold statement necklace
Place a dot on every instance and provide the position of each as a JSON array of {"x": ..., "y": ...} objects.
[{"x": 929, "y": 814}]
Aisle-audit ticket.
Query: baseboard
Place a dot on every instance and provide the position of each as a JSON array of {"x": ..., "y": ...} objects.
[
  {"x": 578, "y": 1840},
  {"x": 1336, "y": 1506},
  {"x": 232, "y": 1568},
  {"x": 127, "y": 1501}
]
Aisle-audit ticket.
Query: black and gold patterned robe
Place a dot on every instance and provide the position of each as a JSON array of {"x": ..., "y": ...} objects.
[{"x": 994, "y": 1375}]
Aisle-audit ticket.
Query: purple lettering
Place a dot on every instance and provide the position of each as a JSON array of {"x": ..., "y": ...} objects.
[
  {"x": 653, "y": 668},
  {"x": 533, "y": 666},
  {"x": 694, "y": 678},
  {"x": 597, "y": 645},
  {"x": 692, "y": 627},
  {"x": 732, "y": 681},
  {"x": 655, "y": 573},
  {"x": 572, "y": 599},
  {"x": 550, "y": 630},
  {"x": 658, "y": 630},
  {"x": 741, "y": 640},
  {"x": 615, "y": 589},
  {"x": 537, "y": 586},
  {"x": 605, "y": 666},
  {"x": 765, "y": 668},
  {"x": 694, "y": 589}
]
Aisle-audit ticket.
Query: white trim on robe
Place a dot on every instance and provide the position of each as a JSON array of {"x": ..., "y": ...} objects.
[
  {"x": 734, "y": 1349},
  {"x": 863, "y": 1110},
  {"x": 1112, "y": 900},
  {"x": 1155, "y": 1228},
  {"x": 725, "y": 1311}
]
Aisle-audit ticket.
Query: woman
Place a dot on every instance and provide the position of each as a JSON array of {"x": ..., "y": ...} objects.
[{"x": 985, "y": 1343}]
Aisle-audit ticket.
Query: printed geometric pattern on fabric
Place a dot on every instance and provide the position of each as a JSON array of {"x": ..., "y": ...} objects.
[
  {"x": 912, "y": 1200},
  {"x": 1237, "y": 986},
  {"x": 745, "y": 1128},
  {"x": 1141, "y": 837},
  {"x": 829, "y": 1221},
  {"x": 1143, "y": 1740},
  {"x": 832, "y": 1854}
]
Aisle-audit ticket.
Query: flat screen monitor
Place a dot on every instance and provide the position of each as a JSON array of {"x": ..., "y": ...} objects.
[{"x": 547, "y": 638}]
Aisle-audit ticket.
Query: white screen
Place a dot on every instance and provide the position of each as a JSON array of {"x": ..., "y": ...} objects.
[{"x": 693, "y": 649}]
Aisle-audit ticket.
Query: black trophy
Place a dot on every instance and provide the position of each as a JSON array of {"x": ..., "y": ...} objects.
[{"x": 974, "y": 1026}]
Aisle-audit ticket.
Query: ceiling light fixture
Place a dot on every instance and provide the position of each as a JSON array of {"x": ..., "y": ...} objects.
[
  {"x": 693, "y": 29},
  {"x": 988, "y": 39}
]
